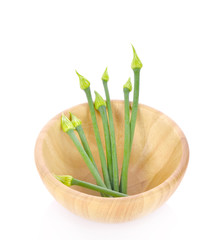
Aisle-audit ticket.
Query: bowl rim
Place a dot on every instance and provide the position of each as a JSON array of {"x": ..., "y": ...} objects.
[{"x": 178, "y": 173}]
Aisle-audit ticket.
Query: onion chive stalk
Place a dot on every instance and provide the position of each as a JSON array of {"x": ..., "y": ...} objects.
[
  {"x": 69, "y": 181},
  {"x": 100, "y": 105},
  {"x": 105, "y": 79},
  {"x": 124, "y": 172},
  {"x": 85, "y": 85},
  {"x": 136, "y": 65},
  {"x": 68, "y": 127},
  {"x": 77, "y": 123}
]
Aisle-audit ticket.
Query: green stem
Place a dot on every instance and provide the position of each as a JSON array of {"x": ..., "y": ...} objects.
[
  {"x": 98, "y": 139},
  {"x": 112, "y": 136},
  {"x": 124, "y": 172},
  {"x": 97, "y": 188},
  {"x": 86, "y": 158},
  {"x": 85, "y": 144},
  {"x": 135, "y": 103},
  {"x": 102, "y": 110}
]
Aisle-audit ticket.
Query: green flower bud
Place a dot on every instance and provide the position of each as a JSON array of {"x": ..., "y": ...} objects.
[
  {"x": 99, "y": 101},
  {"x": 84, "y": 83},
  {"x": 75, "y": 121},
  {"x": 136, "y": 62},
  {"x": 128, "y": 85},
  {"x": 65, "y": 179},
  {"x": 66, "y": 124},
  {"x": 105, "y": 76}
]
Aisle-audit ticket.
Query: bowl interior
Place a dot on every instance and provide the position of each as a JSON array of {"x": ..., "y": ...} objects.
[{"x": 156, "y": 150}]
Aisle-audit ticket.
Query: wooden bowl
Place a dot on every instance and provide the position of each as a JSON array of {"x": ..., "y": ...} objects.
[{"x": 158, "y": 162}]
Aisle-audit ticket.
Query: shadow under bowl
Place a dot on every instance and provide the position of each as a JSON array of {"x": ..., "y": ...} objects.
[{"x": 157, "y": 164}]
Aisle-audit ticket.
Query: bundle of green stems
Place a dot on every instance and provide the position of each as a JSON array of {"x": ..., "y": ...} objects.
[{"x": 108, "y": 184}]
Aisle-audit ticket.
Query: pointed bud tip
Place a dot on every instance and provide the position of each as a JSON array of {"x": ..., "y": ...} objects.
[
  {"x": 84, "y": 83},
  {"x": 75, "y": 121},
  {"x": 128, "y": 85},
  {"x": 136, "y": 62},
  {"x": 65, "y": 179},
  {"x": 105, "y": 76},
  {"x": 99, "y": 101},
  {"x": 66, "y": 124}
]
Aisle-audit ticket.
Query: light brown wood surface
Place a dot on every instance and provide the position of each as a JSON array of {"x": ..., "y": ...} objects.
[{"x": 158, "y": 162}]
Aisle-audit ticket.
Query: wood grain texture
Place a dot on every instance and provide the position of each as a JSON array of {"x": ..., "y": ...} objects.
[{"x": 158, "y": 162}]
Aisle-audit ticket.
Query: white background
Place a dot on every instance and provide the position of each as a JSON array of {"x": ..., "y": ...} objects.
[{"x": 41, "y": 44}]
